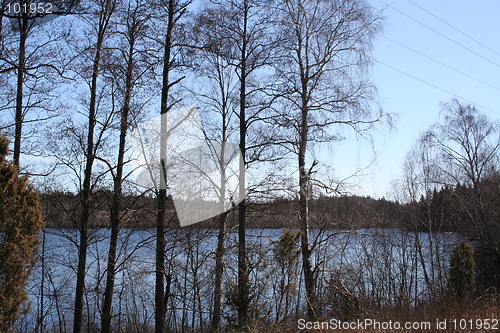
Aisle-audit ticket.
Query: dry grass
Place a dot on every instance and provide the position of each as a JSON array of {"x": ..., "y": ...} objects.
[{"x": 480, "y": 309}]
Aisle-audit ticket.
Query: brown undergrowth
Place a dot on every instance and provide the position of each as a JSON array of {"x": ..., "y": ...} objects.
[{"x": 457, "y": 316}]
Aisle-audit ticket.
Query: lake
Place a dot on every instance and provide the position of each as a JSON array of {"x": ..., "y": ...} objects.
[{"x": 385, "y": 266}]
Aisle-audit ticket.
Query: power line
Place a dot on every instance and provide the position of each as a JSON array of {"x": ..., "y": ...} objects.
[
  {"x": 439, "y": 33},
  {"x": 377, "y": 61},
  {"x": 454, "y": 28},
  {"x": 442, "y": 63},
  {"x": 413, "y": 50},
  {"x": 435, "y": 86}
]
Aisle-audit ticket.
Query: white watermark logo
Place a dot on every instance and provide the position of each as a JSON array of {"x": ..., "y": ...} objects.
[{"x": 201, "y": 174}]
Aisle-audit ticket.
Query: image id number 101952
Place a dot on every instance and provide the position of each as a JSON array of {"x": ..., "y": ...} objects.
[{"x": 33, "y": 8}]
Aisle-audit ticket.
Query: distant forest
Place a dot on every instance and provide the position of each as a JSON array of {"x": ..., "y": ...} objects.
[{"x": 441, "y": 211}]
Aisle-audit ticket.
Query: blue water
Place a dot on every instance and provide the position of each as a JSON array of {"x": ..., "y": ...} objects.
[{"x": 380, "y": 264}]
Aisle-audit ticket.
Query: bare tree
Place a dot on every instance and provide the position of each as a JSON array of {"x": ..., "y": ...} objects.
[
  {"x": 419, "y": 182},
  {"x": 214, "y": 64},
  {"x": 466, "y": 153},
  {"x": 173, "y": 10},
  {"x": 103, "y": 11},
  {"x": 245, "y": 34},
  {"x": 29, "y": 48},
  {"x": 135, "y": 19},
  {"x": 467, "y": 143},
  {"x": 324, "y": 56}
]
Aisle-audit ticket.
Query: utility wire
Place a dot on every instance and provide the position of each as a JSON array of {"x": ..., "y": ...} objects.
[
  {"x": 435, "y": 86},
  {"x": 454, "y": 28},
  {"x": 439, "y": 33},
  {"x": 411, "y": 49},
  {"x": 442, "y": 63},
  {"x": 375, "y": 60}
]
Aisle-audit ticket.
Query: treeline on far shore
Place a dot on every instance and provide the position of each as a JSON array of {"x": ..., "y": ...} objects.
[
  {"x": 61, "y": 210},
  {"x": 442, "y": 210}
]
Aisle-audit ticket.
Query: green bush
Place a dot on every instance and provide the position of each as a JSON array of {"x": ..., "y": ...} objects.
[
  {"x": 20, "y": 223},
  {"x": 461, "y": 281}
]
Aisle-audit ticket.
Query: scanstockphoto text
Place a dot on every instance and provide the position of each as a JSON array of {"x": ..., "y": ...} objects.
[{"x": 369, "y": 324}]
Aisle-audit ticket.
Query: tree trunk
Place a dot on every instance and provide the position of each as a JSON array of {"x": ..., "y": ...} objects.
[
  {"x": 86, "y": 190},
  {"x": 304, "y": 185},
  {"x": 243, "y": 289},
  {"x": 160, "y": 301},
  {"x": 21, "y": 69},
  {"x": 117, "y": 196},
  {"x": 304, "y": 218},
  {"x": 160, "y": 306},
  {"x": 219, "y": 254},
  {"x": 80, "y": 278},
  {"x": 219, "y": 271}
]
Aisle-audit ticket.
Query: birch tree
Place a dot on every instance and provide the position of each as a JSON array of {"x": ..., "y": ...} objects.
[
  {"x": 219, "y": 104},
  {"x": 325, "y": 52},
  {"x": 466, "y": 146}
]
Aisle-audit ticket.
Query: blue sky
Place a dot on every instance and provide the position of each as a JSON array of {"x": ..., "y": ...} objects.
[{"x": 415, "y": 103}]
